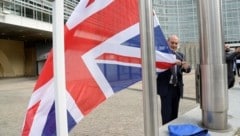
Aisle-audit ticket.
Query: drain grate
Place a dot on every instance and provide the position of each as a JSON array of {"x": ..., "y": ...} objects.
[{"x": 237, "y": 132}]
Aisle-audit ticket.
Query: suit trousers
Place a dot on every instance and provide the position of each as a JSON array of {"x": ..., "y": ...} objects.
[{"x": 170, "y": 104}]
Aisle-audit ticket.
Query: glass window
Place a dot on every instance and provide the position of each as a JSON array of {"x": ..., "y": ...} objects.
[
  {"x": 29, "y": 13},
  {"x": 17, "y": 10}
]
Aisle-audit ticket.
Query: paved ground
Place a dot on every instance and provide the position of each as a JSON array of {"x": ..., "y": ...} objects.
[
  {"x": 14, "y": 96},
  {"x": 120, "y": 115},
  {"x": 194, "y": 116}
]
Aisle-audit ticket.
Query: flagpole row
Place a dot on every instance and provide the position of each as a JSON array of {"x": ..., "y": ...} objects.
[
  {"x": 148, "y": 69},
  {"x": 59, "y": 68}
]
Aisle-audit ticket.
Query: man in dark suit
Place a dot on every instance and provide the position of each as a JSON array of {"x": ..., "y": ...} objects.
[
  {"x": 238, "y": 65},
  {"x": 170, "y": 83},
  {"x": 230, "y": 60}
]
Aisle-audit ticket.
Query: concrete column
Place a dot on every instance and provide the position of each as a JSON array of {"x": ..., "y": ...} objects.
[{"x": 213, "y": 67}]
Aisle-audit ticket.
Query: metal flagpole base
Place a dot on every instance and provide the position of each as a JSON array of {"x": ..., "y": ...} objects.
[{"x": 215, "y": 120}]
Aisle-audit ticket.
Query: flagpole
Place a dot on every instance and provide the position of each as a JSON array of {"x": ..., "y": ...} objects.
[
  {"x": 148, "y": 69},
  {"x": 59, "y": 68}
]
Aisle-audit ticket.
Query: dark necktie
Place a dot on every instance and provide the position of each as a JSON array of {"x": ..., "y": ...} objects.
[{"x": 174, "y": 75}]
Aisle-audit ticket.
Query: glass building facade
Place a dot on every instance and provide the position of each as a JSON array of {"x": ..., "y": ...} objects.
[
  {"x": 25, "y": 31},
  {"x": 180, "y": 17},
  {"x": 35, "y": 9},
  {"x": 231, "y": 19},
  {"x": 175, "y": 16}
]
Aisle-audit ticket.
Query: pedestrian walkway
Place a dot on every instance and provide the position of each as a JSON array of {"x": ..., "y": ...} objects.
[
  {"x": 120, "y": 115},
  {"x": 194, "y": 116}
]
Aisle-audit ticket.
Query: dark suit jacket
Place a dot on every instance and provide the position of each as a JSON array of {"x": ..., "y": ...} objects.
[
  {"x": 230, "y": 59},
  {"x": 164, "y": 78}
]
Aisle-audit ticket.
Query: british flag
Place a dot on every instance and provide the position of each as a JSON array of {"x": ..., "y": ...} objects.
[{"x": 102, "y": 57}]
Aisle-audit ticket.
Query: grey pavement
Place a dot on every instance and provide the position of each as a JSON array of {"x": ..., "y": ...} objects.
[
  {"x": 14, "y": 96},
  {"x": 194, "y": 116},
  {"x": 120, "y": 115}
]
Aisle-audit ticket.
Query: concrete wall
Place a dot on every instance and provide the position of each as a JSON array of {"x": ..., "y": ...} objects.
[
  {"x": 27, "y": 59},
  {"x": 18, "y": 58},
  {"x": 42, "y": 50},
  {"x": 30, "y": 60},
  {"x": 12, "y": 58}
]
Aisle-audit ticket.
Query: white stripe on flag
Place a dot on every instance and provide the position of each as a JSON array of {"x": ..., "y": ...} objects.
[
  {"x": 110, "y": 46},
  {"x": 43, "y": 109},
  {"x": 73, "y": 108},
  {"x": 82, "y": 7},
  {"x": 38, "y": 94},
  {"x": 119, "y": 63}
]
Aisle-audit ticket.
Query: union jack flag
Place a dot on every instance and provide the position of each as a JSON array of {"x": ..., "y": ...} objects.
[{"x": 102, "y": 57}]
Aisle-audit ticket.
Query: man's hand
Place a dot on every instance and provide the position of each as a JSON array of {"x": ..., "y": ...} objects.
[
  {"x": 238, "y": 49},
  {"x": 184, "y": 64},
  {"x": 178, "y": 62}
]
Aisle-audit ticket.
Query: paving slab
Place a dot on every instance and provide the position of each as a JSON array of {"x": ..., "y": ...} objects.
[
  {"x": 120, "y": 115},
  {"x": 194, "y": 116}
]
